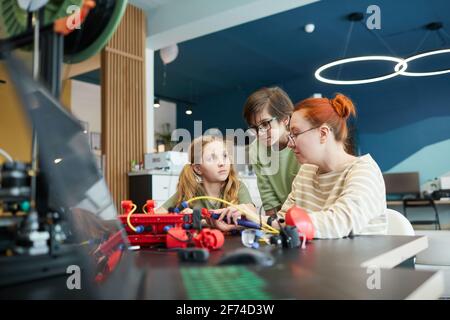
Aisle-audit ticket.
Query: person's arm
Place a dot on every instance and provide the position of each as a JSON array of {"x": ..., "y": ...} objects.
[
  {"x": 229, "y": 215},
  {"x": 290, "y": 201},
  {"x": 269, "y": 198},
  {"x": 171, "y": 202},
  {"x": 362, "y": 200}
]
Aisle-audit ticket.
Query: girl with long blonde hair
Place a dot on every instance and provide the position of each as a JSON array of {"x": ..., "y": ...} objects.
[{"x": 210, "y": 173}]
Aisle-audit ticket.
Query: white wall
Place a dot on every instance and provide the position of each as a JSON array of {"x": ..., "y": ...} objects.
[
  {"x": 150, "y": 93},
  {"x": 166, "y": 113},
  {"x": 86, "y": 104}
]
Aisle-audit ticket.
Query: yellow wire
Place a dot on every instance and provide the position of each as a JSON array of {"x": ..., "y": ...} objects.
[
  {"x": 129, "y": 218},
  {"x": 143, "y": 208},
  {"x": 265, "y": 227}
]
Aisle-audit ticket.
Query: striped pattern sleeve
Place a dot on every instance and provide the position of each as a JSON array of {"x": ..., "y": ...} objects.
[
  {"x": 361, "y": 201},
  {"x": 291, "y": 199}
]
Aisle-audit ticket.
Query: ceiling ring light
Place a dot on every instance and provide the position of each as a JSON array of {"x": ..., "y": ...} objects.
[
  {"x": 401, "y": 63},
  {"x": 419, "y": 56}
]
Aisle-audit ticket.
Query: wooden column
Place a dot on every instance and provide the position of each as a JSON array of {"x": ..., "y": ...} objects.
[{"x": 123, "y": 101}]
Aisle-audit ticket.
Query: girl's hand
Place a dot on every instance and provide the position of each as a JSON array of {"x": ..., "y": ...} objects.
[
  {"x": 222, "y": 226},
  {"x": 230, "y": 215},
  {"x": 161, "y": 210},
  {"x": 187, "y": 210}
]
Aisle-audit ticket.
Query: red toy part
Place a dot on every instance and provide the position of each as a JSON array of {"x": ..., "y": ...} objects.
[
  {"x": 173, "y": 230},
  {"x": 110, "y": 265},
  {"x": 110, "y": 245},
  {"x": 206, "y": 213},
  {"x": 154, "y": 224},
  {"x": 150, "y": 206},
  {"x": 298, "y": 217},
  {"x": 126, "y": 205},
  {"x": 177, "y": 238},
  {"x": 210, "y": 239}
]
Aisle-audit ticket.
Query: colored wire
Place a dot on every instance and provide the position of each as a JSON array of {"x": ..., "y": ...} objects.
[
  {"x": 129, "y": 218},
  {"x": 264, "y": 226},
  {"x": 6, "y": 155}
]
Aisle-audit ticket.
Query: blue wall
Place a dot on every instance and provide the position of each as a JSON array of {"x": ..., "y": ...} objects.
[{"x": 397, "y": 118}]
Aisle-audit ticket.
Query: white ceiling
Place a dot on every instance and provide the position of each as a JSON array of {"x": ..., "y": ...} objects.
[{"x": 148, "y": 5}]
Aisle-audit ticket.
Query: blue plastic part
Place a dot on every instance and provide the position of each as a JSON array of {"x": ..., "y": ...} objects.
[
  {"x": 248, "y": 224},
  {"x": 215, "y": 215},
  {"x": 140, "y": 229},
  {"x": 167, "y": 228},
  {"x": 187, "y": 226},
  {"x": 184, "y": 204},
  {"x": 255, "y": 245},
  {"x": 176, "y": 210},
  {"x": 259, "y": 233}
]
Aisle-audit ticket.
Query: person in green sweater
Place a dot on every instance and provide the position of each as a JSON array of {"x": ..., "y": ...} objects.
[{"x": 267, "y": 112}]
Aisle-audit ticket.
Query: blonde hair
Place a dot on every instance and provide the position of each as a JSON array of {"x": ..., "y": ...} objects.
[{"x": 188, "y": 185}]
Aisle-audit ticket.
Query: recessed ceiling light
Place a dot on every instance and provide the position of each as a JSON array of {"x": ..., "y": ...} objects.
[{"x": 309, "y": 28}]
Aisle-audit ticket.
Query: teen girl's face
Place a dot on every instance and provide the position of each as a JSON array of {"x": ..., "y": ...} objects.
[
  {"x": 273, "y": 129},
  {"x": 215, "y": 166},
  {"x": 305, "y": 140}
]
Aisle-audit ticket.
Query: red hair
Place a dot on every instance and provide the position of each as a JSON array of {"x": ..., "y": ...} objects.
[{"x": 334, "y": 112}]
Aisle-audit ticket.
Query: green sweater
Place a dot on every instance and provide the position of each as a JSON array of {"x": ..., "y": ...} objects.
[
  {"x": 243, "y": 198},
  {"x": 275, "y": 171}
]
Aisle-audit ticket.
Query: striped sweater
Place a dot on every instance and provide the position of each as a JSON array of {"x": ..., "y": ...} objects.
[{"x": 349, "y": 201}]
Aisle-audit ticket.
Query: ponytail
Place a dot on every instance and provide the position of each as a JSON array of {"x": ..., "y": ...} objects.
[{"x": 188, "y": 185}]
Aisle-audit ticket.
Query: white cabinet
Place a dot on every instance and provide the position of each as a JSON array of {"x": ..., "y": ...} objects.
[{"x": 163, "y": 187}]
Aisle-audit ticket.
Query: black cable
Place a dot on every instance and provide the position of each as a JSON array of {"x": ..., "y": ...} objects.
[
  {"x": 281, "y": 228},
  {"x": 347, "y": 42},
  {"x": 260, "y": 216},
  {"x": 441, "y": 37}
]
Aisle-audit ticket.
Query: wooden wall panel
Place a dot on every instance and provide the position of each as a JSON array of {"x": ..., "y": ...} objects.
[
  {"x": 15, "y": 133},
  {"x": 123, "y": 101},
  {"x": 66, "y": 94}
]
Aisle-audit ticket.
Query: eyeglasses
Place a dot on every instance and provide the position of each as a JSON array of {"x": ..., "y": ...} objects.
[
  {"x": 293, "y": 137},
  {"x": 263, "y": 127}
]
